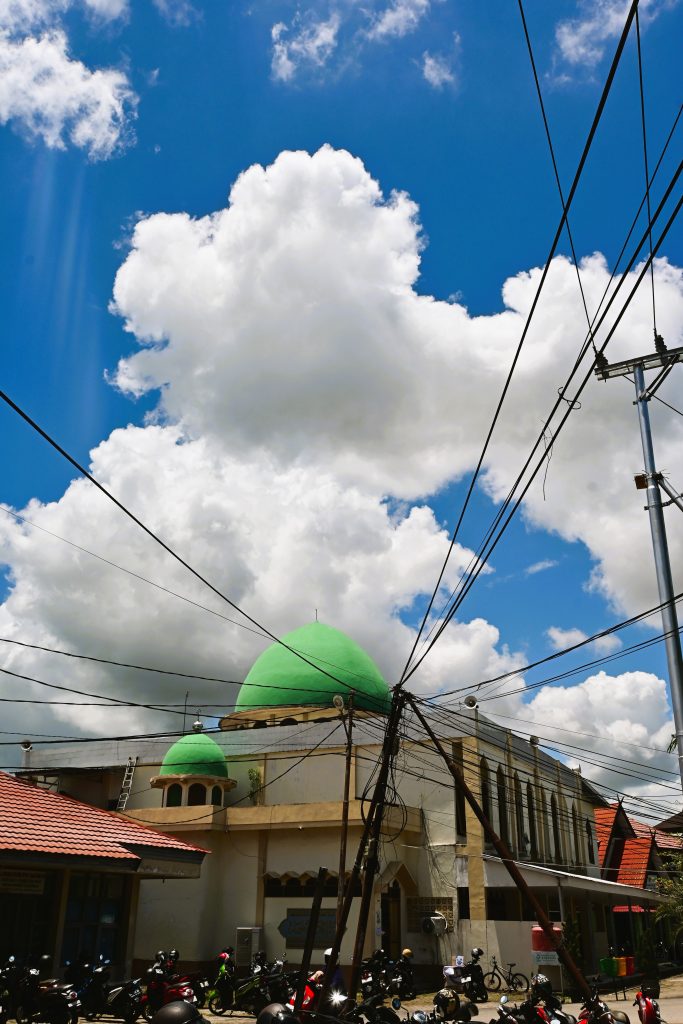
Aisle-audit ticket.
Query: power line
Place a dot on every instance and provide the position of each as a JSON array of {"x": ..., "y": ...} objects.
[
  {"x": 154, "y": 536},
  {"x": 474, "y": 560},
  {"x": 584, "y": 156},
  {"x": 645, "y": 165},
  {"x": 489, "y": 544}
]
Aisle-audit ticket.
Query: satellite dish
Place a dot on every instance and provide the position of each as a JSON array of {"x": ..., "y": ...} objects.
[{"x": 471, "y": 701}]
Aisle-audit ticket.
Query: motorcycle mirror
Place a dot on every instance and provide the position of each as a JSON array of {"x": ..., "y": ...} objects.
[
  {"x": 396, "y": 1003},
  {"x": 503, "y": 999}
]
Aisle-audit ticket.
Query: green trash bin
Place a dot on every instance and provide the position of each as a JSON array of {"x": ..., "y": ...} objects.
[{"x": 606, "y": 965}]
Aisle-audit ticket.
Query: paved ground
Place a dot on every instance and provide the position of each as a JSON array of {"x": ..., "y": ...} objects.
[{"x": 671, "y": 1004}]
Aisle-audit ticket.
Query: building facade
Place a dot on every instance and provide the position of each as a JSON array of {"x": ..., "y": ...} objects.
[{"x": 264, "y": 793}]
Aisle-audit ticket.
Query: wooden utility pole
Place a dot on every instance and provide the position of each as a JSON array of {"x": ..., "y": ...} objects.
[
  {"x": 345, "y": 811},
  {"x": 505, "y": 856},
  {"x": 372, "y": 816}
]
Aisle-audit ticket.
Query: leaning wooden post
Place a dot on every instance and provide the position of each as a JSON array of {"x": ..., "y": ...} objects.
[
  {"x": 506, "y": 857},
  {"x": 310, "y": 938}
]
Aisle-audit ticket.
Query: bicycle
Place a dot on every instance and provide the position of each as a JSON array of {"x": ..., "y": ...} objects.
[{"x": 515, "y": 981}]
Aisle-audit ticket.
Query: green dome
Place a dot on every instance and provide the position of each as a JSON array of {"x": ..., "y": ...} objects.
[
  {"x": 279, "y": 678},
  {"x": 195, "y": 754}
]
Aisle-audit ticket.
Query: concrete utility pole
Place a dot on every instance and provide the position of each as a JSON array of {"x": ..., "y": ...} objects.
[{"x": 651, "y": 481}]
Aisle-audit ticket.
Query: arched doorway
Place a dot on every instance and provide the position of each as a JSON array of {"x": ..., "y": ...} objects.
[{"x": 391, "y": 920}]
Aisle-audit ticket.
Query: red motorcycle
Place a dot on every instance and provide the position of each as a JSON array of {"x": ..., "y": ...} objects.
[
  {"x": 648, "y": 1007},
  {"x": 161, "y": 990}
]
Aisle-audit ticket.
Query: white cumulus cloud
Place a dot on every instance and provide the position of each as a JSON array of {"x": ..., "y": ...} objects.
[
  {"x": 437, "y": 70},
  {"x": 582, "y": 41},
  {"x": 308, "y": 45},
  {"x": 48, "y": 94},
  {"x": 58, "y": 99},
  {"x": 310, "y": 398},
  {"x": 398, "y": 19}
]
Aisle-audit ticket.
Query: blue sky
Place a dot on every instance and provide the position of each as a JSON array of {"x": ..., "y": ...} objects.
[{"x": 436, "y": 100}]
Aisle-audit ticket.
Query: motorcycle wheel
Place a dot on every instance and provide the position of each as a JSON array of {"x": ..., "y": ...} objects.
[
  {"x": 519, "y": 983},
  {"x": 22, "y": 1016},
  {"x": 492, "y": 981},
  {"x": 216, "y": 1006}
]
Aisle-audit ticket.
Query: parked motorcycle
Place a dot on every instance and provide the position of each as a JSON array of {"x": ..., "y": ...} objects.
[
  {"x": 541, "y": 994},
  {"x": 448, "y": 1005},
  {"x": 99, "y": 997},
  {"x": 399, "y": 976},
  {"x": 595, "y": 1011},
  {"x": 162, "y": 989},
  {"x": 476, "y": 990},
  {"x": 373, "y": 978},
  {"x": 267, "y": 983},
  {"x": 648, "y": 1007},
  {"x": 49, "y": 1002}
]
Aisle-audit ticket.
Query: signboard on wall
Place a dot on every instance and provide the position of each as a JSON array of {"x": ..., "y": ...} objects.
[
  {"x": 294, "y": 927},
  {"x": 27, "y": 883},
  {"x": 544, "y": 958}
]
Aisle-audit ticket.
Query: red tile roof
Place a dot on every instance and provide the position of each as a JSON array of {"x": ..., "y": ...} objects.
[
  {"x": 38, "y": 821},
  {"x": 663, "y": 840},
  {"x": 604, "y": 822},
  {"x": 634, "y": 862}
]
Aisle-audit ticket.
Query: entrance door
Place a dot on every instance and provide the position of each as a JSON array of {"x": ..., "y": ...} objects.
[{"x": 391, "y": 920}]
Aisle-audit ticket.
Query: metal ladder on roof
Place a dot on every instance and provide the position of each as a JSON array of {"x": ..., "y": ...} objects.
[{"x": 127, "y": 784}]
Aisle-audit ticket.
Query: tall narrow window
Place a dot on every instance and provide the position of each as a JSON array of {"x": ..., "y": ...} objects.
[
  {"x": 577, "y": 838},
  {"x": 557, "y": 839},
  {"x": 519, "y": 817},
  {"x": 589, "y": 837},
  {"x": 545, "y": 825},
  {"x": 460, "y": 819},
  {"x": 531, "y": 808},
  {"x": 501, "y": 791},
  {"x": 485, "y": 788}
]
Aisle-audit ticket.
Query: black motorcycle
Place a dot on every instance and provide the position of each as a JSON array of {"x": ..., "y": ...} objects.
[
  {"x": 475, "y": 989},
  {"x": 49, "y": 1002},
  {"x": 399, "y": 978},
  {"x": 375, "y": 974},
  {"x": 101, "y": 998}
]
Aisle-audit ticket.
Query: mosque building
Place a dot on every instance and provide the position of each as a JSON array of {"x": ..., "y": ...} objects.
[{"x": 263, "y": 793}]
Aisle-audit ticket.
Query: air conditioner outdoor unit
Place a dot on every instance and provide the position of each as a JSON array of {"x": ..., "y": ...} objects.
[
  {"x": 435, "y": 924},
  {"x": 248, "y": 942}
]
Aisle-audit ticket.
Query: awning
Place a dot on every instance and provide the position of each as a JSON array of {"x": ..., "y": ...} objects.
[{"x": 496, "y": 875}]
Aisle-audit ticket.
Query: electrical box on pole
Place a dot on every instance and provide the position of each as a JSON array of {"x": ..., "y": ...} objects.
[{"x": 652, "y": 483}]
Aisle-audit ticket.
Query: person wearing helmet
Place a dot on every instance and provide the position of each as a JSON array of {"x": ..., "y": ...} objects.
[
  {"x": 178, "y": 1012},
  {"x": 542, "y": 991},
  {"x": 337, "y": 983}
]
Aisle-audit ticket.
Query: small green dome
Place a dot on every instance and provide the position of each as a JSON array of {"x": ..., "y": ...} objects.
[
  {"x": 279, "y": 678},
  {"x": 195, "y": 754}
]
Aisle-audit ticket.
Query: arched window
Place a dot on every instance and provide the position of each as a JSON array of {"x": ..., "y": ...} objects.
[
  {"x": 485, "y": 788},
  {"x": 531, "y": 807},
  {"x": 519, "y": 816},
  {"x": 545, "y": 825},
  {"x": 589, "y": 837},
  {"x": 174, "y": 795},
  {"x": 557, "y": 839},
  {"x": 577, "y": 838},
  {"x": 501, "y": 792},
  {"x": 216, "y": 796},
  {"x": 196, "y": 795}
]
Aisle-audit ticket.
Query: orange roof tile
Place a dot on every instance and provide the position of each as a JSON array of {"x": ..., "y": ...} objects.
[
  {"x": 38, "y": 821},
  {"x": 663, "y": 841},
  {"x": 604, "y": 820},
  {"x": 634, "y": 862}
]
